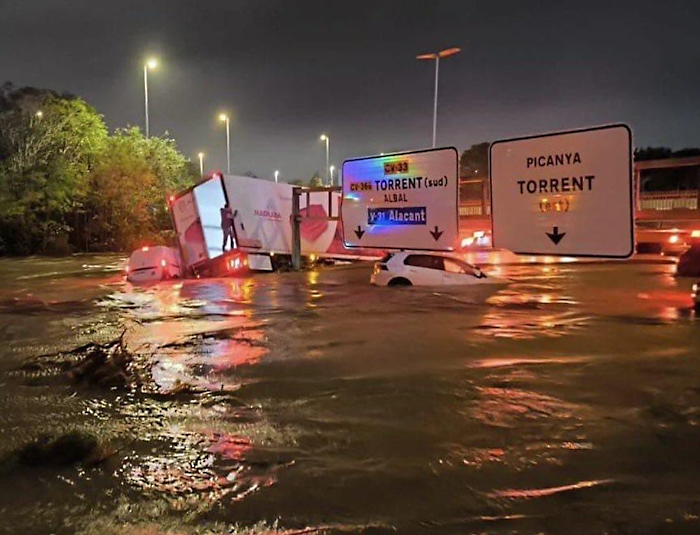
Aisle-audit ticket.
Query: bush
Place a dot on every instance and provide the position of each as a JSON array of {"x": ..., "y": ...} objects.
[{"x": 65, "y": 184}]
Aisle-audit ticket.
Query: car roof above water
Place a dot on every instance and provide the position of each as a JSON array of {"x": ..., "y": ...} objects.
[{"x": 151, "y": 256}]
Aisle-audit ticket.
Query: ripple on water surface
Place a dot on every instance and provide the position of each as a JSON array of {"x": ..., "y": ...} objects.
[{"x": 314, "y": 403}]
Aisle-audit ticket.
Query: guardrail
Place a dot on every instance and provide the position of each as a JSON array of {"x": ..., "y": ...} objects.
[
  {"x": 687, "y": 200},
  {"x": 472, "y": 208}
]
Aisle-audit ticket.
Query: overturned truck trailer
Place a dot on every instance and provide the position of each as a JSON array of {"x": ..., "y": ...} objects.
[{"x": 262, "y": 225}]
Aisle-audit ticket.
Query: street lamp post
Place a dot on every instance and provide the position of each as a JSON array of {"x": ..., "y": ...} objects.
[
  {"x": 331, "y": 169},
  {"x": 277, "y": 174},
  {"x": 325, "y": 138},
  {"x": 225, "y": 118},
  {"x": 150, "y": 64},
  {"x": 201, "y": 164},
  {"x": 436, "y": 56}
]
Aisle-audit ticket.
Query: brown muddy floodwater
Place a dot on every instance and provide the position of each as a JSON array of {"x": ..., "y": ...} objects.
[{"x": 567, "y": 403}]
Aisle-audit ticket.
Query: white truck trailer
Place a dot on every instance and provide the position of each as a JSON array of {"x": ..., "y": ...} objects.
[{"x": 262, "y": 217}]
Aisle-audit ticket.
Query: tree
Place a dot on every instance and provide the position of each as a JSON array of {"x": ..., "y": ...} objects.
[
  {"x": 316, "y": 181},
  {"x": 663, "y": 153},
  {"x": 65, "y": 183},
  {"x": 686, "y": 153},
  {"x": 46, "y": 159},
  {"x": 474, "y": 162},
  {"x": 652, "y": 153},
  {"x": 129, "y": 188},
  {"x": 122, "y": 188},
  {"x": 172, "y": 171},
  {"x": 669, "y": 179}
]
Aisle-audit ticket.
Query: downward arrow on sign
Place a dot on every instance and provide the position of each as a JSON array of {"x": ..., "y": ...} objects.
[
  {"x": 359, "y": 232},
  {"x": 555, "y": 236},
  {"x": 436, "y": 233}
]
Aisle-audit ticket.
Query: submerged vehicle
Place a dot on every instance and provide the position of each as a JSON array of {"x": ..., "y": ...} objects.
[
  {"x": 689, "y": 262},
  {"x": 261, "y": 233},
  {"x": 429, "y": 269},
  {"x": 154, "y": 263}
]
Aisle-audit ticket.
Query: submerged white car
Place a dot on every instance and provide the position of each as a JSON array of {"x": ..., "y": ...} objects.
[
  {"x": 428, "y": 269},
  {"x": 156, "y": 263}
]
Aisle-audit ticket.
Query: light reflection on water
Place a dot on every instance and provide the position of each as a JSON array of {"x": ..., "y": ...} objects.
[
  {"x": 285, "y": 401},
  {"x": 198, "y": 471},
  {"x": 533, "y": 308}
]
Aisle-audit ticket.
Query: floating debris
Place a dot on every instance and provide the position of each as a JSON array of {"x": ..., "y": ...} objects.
[{"x": 68, "y": 449}]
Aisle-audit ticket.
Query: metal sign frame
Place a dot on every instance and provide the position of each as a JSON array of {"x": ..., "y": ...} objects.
[
  {"x": 297, "y": 218},
  {"x": 630, "y": 196}
]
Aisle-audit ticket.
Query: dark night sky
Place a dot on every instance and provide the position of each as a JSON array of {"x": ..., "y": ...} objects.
[{"x": 289, "y": 70}]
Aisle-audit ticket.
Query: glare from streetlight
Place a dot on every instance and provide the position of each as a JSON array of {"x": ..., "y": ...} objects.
[
  {"x": 201, "y": 164},
  {"x": 39, "y": 114},
  {"x": 151, "y": 63},
  {"x": 449, "y": 52},
  {"x": 442, "y": 54},
  {"x": 325, "y": 138},
  {"x": 225, "y": 119}
]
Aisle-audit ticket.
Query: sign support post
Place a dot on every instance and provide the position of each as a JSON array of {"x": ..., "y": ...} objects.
[{"x": 296, "y": 230}]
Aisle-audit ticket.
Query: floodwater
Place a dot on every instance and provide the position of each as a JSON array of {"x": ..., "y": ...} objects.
[{"x": 567, "y": 403}]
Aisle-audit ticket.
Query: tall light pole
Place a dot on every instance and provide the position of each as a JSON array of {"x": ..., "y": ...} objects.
[
  {"x": 201, "y": 164},
  {"x": 325, "y": 138},
  {"x": 436, "y": 56},
  {"x": 225, "y": 118},
  {"x": 277, "y": 175},
  {"x": 331, "y": 169},
  {"x": 150, "y": 64}
]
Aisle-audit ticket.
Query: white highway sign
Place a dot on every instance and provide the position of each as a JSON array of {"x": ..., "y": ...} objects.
[
  {"x": 401, "y": 201},
  {"x": 565, "y": 194}
]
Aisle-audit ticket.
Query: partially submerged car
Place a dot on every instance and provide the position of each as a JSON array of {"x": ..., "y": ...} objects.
[
  {"x": 689, "y": 262},
  {"x": 150, "y": 264},
  {"x": 429, "y": 269}
]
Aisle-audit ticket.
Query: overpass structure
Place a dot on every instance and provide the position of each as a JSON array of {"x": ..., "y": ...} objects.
[
  {"x": 664, "y": 209},
  {"x": 667, "y": 206}
]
